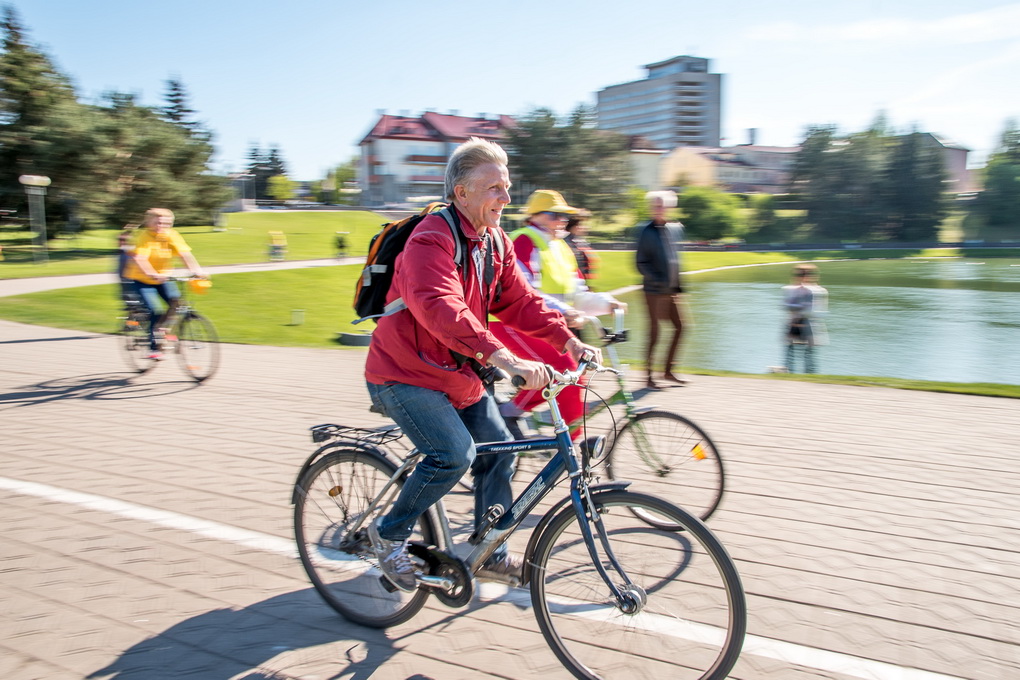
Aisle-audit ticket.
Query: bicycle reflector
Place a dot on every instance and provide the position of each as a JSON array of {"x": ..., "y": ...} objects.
[
  {"x": 698, "y": 452},
  {"x": 200, "y": 286}
]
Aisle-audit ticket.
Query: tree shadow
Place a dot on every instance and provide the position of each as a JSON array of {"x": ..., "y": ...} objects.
[{"x": 96, "y": 386}]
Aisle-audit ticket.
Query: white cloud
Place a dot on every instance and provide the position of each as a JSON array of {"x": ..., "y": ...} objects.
[
  {"x": 947, "y": 86},
  {"x": 999, "y": 23}
]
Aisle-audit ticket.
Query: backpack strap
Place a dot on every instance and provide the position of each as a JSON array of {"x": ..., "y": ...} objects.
[{"x": 450, "y": 217}]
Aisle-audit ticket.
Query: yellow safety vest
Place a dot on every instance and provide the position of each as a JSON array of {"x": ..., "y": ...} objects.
[{"x": 557, "y": 262}]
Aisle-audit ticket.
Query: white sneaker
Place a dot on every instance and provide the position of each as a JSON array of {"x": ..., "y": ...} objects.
[{"x": 394, "y": 560}]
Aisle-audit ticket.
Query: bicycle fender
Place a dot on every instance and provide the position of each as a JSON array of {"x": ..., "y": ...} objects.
[
  {"x": 539, "y": 529},
  {"x": 323, "y": 450}
]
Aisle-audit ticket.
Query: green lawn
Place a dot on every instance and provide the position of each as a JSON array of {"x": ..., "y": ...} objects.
[{"x": 310, "y": 235}]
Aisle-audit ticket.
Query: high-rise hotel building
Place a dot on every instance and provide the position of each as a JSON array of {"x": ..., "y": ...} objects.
[{"x": 679, "y": 103}]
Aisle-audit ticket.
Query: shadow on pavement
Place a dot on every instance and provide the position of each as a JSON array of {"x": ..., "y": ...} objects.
[
  {"x": 229, "y": 643},
  {"x": 105, "y": 386},
  {"x": 69, "y": 337}
]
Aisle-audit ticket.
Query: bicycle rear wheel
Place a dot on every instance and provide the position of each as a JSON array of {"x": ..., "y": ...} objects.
[
  {"x": 332, "y": 495},
  {"x": 135, "y": 342},
  {"x": 691, "y": 617},
  {"x": 667, "y": 454},
  {"x": 197, "y": 346}
]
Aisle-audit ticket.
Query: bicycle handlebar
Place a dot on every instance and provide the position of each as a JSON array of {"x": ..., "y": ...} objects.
[{"x": 586, "y": 364}]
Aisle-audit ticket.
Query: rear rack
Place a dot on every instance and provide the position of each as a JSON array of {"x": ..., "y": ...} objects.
[{"x": 378, "y": 435}]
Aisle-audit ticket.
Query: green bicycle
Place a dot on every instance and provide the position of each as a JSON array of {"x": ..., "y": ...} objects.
[{"x": 655, "y": 448}]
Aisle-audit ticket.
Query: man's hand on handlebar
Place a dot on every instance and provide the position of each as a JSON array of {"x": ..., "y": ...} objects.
[
  {"x": 574, "y": 318},
  {"x": 576, "y": 349},
  {"x": 533, "y": 373}
]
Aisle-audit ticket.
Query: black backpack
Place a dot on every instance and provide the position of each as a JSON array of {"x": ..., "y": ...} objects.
[{"x": 377, "y": 276}]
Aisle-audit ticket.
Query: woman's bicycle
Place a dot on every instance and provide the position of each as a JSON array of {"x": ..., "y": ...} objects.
[
  {"x": 614, "y": 596},
  {"x": 649, "y": 445},
  {"x": 190, "y": 335}
]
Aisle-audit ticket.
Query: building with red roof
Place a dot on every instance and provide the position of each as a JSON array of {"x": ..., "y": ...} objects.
[{"x": 403, "y": 157}]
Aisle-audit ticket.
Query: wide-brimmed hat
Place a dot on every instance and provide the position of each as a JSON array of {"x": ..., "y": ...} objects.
[{"x": 547, "y": 200}]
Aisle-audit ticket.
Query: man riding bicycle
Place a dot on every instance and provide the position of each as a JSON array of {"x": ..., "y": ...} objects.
[
  {"x": 422, "y": 362},
  {"x": 150, "y": 258}
]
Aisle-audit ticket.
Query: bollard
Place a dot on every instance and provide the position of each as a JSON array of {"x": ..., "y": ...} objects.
[{"x": 297, "y": 317}]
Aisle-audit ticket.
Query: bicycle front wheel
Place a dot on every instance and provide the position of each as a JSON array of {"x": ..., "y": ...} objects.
[
  {"x": 667, "y": 454},
  {"x": 689, "y": 613},
  {"x": 135, "y": 342},
  {"x": 197, "y": 346},
  {"x": 332, "y": 496}
]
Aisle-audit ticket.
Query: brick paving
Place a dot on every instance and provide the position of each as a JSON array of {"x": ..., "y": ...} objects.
[{"x": 873, "y": 523}]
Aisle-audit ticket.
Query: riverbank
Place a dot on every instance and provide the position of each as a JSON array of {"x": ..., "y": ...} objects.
[{"x": 61, "y": 302}]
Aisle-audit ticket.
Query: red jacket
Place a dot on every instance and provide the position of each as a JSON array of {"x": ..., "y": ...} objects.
[{"x": 443, "y": 313}]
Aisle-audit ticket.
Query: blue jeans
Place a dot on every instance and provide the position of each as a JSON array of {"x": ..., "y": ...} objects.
[
  {"x": 447, "y": 436},
  {"x": 150, "y": 294},
  {"x": 809, "y": 357}
]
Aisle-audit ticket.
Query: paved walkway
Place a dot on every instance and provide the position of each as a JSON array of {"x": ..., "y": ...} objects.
[
  {"x": 39, "y": 284},
  {"x": 877, "y": 531}
]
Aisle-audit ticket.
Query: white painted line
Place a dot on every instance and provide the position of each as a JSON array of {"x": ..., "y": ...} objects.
[
  {"x": 754, "y": 645},
  {"x": 173, "y": 520}
]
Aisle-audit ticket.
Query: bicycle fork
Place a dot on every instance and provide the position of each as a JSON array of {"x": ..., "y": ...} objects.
[{"x": 630, "y": 597}]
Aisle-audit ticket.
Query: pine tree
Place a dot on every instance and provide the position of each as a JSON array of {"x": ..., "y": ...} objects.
[
  {"x": 35, "y": 103},
  {"x": 177, "y": 110}
]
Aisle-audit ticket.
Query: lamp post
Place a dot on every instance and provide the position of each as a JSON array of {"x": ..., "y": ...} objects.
[{"x": 35, "y": 189}]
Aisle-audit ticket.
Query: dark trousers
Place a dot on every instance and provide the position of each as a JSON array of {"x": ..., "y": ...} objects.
[{"x": 663, "y": 307}]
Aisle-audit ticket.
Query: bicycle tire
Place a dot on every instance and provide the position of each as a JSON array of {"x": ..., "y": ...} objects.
[
  {"x": 694, "y": 617},
  {"x": 198, "y": 348},
  {"x": 135, "y": 342},
  {"x": 334, "y": 492},
  {"x": 669, "y": 455}
]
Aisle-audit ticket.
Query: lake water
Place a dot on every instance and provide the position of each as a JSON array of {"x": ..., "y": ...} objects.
[{"x": 955, "y": 320}]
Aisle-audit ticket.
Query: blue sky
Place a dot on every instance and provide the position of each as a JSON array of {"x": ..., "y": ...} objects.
[{"x": 310, "y": 75}]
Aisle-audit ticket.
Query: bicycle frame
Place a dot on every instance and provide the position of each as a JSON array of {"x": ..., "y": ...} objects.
[
  {"x": 499, "y": 526},
  {"x": 622, "y": 395}
]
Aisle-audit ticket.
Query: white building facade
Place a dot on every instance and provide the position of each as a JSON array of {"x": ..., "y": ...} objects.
[
  {"x": 403, "y": 158},
  {"x": 679, "y": 103}
]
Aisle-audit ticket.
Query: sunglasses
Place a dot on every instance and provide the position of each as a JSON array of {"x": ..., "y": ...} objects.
[{"x": 558, "y": 215}]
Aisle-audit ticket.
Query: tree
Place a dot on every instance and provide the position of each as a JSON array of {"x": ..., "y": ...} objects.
[
  {"x": 913, "y": 189},
  {"x": 999, "y": 203},
  {"x": 282, "y": 188},
  {"x": 110, "y": 161},
  {"x": 176, "y": 110},
  {"x": 765, "y": 225},
  {"x": 590, "y": 167},
  {"x": 870, "y": 184},
  {"x": 709, "y": 214},
  {"x": 39, "y": 116},
  {"x": 262, "y": 165},
  {"x": 144, "y": 161}
]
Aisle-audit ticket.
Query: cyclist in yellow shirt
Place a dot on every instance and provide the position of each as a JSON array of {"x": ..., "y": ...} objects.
[{"x": 151, "y": 256}]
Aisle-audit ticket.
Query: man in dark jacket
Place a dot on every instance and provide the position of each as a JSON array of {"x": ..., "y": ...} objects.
[{"x": 658, "y": 261}]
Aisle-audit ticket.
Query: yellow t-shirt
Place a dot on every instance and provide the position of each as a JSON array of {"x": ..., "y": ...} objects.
[{"x": 159, "y": 249}]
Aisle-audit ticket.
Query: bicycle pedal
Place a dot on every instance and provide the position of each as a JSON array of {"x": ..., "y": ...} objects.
[{"x": 490, "y": 518}]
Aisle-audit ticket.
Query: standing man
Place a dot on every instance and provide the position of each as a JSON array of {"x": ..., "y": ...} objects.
[
  {"x": 658, "y": 261},
  {"x": 421, "y": 364},
  {"x": 805, "y": 302}
]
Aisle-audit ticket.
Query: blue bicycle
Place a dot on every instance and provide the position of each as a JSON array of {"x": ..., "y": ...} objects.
[{"x": 615, "y": 596}]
